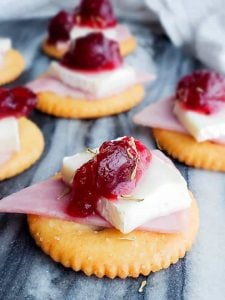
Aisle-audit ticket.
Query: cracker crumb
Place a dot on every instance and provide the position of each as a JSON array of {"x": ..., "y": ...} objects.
[
  {"x": 57, "y": 238},
  {"x": 141, "y": 288}
]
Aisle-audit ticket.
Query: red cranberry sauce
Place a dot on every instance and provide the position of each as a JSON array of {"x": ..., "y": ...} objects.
[
  {"x": 113, "y": 172},
  {"x": 202, "y": 91},
  {"x": 59, "y": 27},
  {"x": 96, "y": 14},
  {"x": 93, "y": 52},
  {"x": 16, "y": 102}
]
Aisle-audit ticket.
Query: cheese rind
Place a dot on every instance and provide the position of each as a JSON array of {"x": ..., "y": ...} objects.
[
  {"x": 202, "y": 127},
  {"x": 9, "y": 135},
  {"x": 95, "y": 85}
]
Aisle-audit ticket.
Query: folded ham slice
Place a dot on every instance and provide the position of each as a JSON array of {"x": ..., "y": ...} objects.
[
  {"x": 160, "y": 115},
  {"x": 47, "y": 83},
  {"x": 123, "y": 33},
  {"x": 50, "y": 84},
  {"x": 50, "y": 199}
]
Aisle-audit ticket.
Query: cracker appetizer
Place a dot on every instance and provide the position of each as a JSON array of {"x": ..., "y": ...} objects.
[
  {"x": 21, "y": 142},
  {"x": 88, "y": 17},
  {"x": 12, "y": 63},
  {"x": 119, "y": 210},
  {"x": 90, "y": 81},
  {"x": 190, "y": 126}
]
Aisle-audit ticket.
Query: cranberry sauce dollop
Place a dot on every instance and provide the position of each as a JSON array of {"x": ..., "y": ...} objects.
[
  {"x": 93, "y": 52},
  {"x": 95, "y": 14},
  {"x": 59, "y": 27},
  {"x": 201, "y": 91},
  {"x": 16, "y": 102},
  {"x": 113, "y": 172}
]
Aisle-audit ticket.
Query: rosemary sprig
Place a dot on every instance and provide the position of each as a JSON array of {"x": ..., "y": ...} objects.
[{"x": 89, "y": 150}]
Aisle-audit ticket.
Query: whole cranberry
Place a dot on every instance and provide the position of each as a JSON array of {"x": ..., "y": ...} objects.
[
  {"x": 201, "y": 90},
  {"x": 113, "y": 172},
  {"x": 93, "y": 52},
  {"x": 59, "y": 27},
  {"x": 18, "y": 101},
  {"x": 97, "y": 13}
]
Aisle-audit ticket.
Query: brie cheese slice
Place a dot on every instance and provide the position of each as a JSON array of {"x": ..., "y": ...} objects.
[
  {"x": 202, "y": 127},
  {"x": 161, "y": 191},
  {"x": 9, "y": 135},
  {"x": 72, "y": 163},
  {"x": 78, "y": 32},
  {"x": 96, "y": 85}
]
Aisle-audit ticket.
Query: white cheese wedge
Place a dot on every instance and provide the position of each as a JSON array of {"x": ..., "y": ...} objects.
[
  {"x": 5, "y": 45},
  {"x": 202, "y": 127},
  {"x": 78, "y": 32},
  {"x": 161, "y": 191},
  {"x": 9, "y": 135},
  {"x": 96, "y": 85},
  {"x": 72, "y": 163}
]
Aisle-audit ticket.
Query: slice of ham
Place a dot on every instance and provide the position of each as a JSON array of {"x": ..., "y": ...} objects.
[
  {"x": 50, "y": 198},
  {"x": 123, "y": 33},
  {"x": 50, "y": 84},
  {"x": 160, "y": 115},
  {"x": 47, "y": 83}
]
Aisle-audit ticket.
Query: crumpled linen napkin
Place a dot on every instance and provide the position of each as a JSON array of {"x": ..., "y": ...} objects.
[{"x": 196, "y": 25}]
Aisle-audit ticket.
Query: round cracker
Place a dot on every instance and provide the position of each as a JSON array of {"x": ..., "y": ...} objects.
[
  {"x": 32, "y": 145},
  {"x": 13, "y": 66},
  {"x": 126, "y": 47},
  {"x": 186, "y": 149},
  {"x": 67, "y": 107},
  {"x": 109, "y": 252}
]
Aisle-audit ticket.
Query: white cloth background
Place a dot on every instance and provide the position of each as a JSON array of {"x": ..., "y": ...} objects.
[{"x": 197, "y": 25}]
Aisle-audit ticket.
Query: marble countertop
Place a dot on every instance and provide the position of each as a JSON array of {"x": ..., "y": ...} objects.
[{"x": 27, "y": 273}]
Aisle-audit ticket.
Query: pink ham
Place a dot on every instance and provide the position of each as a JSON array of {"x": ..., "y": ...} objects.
[
  {"x": 51, "y": 84},
  {"x": 50, "y": 199},
  {"x": 123, "y": 33},
  {"x": 160, "y": 115}
]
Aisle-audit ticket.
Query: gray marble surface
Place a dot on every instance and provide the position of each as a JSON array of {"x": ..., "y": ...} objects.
[{"x": 27, "y": 273}]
